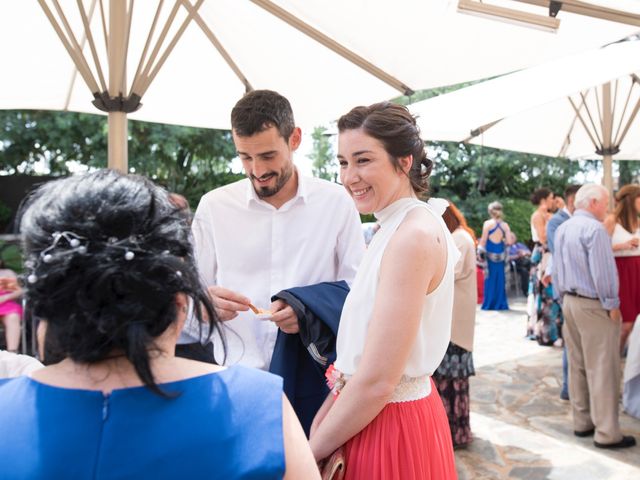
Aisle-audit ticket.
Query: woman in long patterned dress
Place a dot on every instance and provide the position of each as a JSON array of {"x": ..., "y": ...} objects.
[
  {"x": 452, "y": 376},
  {"x": 545, "y": 315},
  {"x": 396, "y": 321}
]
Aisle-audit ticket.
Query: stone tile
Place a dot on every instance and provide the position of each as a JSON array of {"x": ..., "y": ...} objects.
[
  {"x": 522, "y": 429},
  {"x": 530, "y": 473},
  {"x": 518, "y": 455},
  {"x": 540, "y": 406},
  {"x": 484, "y": 396},
  {"x": 509, "y": 399},
  {"x": 485, "y": 450}
]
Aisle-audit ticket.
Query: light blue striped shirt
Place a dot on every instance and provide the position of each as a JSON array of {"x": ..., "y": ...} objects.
[{"x": 583, "y": 260}]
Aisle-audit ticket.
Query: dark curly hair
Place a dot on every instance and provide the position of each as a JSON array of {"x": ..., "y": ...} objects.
[
  {"x": 113, "y": 291},
  {"x": 395, "y": 127},
  {"x": 260, "y": 110}
]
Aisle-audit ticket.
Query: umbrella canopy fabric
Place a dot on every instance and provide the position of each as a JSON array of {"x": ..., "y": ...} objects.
[
  {"x": 420, "y": 44},
  {"x": 582, "y": 106},
  {"x": 530, "y": 110}
]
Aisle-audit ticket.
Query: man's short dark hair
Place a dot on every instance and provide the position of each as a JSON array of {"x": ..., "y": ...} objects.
[
  {"x": 260, "y": 110},
  {"x": 571, "y": 190}
]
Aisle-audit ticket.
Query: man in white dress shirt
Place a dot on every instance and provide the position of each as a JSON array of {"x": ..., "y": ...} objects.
[{"x": 274, "y": 230}]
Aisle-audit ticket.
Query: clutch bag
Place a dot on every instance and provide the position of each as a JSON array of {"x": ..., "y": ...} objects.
[{"x": 334, "y": 467}]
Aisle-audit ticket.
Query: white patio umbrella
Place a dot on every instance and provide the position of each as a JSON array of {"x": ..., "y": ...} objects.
[
  {"x": 324, "y": 55},
  {"x": 582, "y": 106}
]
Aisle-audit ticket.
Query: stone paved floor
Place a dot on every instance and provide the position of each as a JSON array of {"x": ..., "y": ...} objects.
[{"x": 521, "y": 428}]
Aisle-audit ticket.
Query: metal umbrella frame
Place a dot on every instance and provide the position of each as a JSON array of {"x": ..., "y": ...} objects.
[
  {"x": 576, "y": 107},
  {"x": 379, "y": 52}
]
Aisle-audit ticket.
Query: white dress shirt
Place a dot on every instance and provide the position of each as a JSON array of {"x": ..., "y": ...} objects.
[{"x": 246, "y": 245}]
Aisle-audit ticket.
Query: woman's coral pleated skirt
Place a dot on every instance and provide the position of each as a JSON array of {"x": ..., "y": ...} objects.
[{"x": 406, "y": 441}]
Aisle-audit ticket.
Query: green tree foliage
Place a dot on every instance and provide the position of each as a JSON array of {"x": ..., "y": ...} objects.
[
  {"x": 51, "y": 139},
  {"x": 187, "y": 160},
  {"x": 629, "y": 172},
  {"x": 323, "y": 162},
  {"x": 473, "y": 176}
]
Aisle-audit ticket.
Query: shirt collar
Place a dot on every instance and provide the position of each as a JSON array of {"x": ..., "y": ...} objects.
[
  {"x": 566, "y": 210},
  {"x": 301, "y": 195},
  {"x": 585, "y": 213},
  {"x": 387, "y": 212}
]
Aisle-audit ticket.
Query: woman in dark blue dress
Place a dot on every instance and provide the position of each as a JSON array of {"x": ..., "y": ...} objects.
[
  {"x": 492, "y": 247},
  {"x": 109, "y": 266}
]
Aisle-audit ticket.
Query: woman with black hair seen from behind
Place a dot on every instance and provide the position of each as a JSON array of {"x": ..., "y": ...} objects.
[
  {"x": 396, "y": 321},
  {"x": 110, "y": 267}
]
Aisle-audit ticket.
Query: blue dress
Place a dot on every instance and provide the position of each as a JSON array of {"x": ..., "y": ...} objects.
[
  {"x": 495, "y": 295},
  {"x": 224, "y": 425}
]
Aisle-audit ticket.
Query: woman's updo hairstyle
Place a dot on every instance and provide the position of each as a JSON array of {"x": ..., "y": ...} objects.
[
  {"x": 106, "y": 254},
  {"x": 495, "y": 210},
  {"x": 395, "y": 127},
  {"x": 540, "y": 194}
]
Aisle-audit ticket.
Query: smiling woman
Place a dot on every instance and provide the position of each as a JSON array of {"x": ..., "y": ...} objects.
[
  {"x": 384, "y": 137},
  {"x": 388, "y": 349}
]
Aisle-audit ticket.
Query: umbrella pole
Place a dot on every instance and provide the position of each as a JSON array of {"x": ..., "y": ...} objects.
[
  {"x": 607, "y": 178},
  {"x": 118, "y": 135},
  {"x": 607, "y": 130},
  {"x": 118, "y": 157}
]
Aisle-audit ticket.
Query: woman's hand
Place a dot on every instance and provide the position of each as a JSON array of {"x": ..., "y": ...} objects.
[{"x": 9, "y": 283}]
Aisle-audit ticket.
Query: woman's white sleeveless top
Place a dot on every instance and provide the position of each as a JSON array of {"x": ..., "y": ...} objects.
[
  {"x": 621, "y": 235},
  {"x": 434, "y": 333}
]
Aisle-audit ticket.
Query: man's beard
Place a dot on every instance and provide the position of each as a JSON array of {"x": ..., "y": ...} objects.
[{"x": 281, "y": 179}]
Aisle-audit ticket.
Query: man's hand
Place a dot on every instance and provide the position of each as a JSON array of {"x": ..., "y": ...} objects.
[
  {"x": 546, "y": 280},
  {"x": 284, "y": 317},
  {"x": 615, "y": 315},
  {"x": 227, "y": 302}
]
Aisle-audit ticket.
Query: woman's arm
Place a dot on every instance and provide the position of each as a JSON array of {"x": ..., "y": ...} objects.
[
  {"x": 11, "y": 296},
  {"x": 628, "y": 245},
  {"x": 412, "y": 265},
  {"x": 485, "y": 234},
  {"x": 508, "y": 238},
  {"x": 298, "y": 457},
  {"x": 610, "y": 224},
  {"x": 322, "y": 412}
]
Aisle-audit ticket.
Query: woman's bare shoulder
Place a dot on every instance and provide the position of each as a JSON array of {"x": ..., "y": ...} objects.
[{"x": 419, "y": 230}]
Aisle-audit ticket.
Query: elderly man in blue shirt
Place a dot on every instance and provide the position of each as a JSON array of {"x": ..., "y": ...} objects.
[{"x": 585, "y": 275}]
